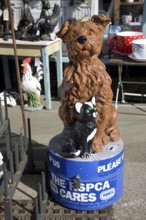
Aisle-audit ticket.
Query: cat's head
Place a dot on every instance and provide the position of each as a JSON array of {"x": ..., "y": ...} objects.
[{"x": 86, "y": 111}]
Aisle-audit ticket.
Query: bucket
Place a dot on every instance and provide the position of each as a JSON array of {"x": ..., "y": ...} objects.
[{"x": 90, "y": 184}]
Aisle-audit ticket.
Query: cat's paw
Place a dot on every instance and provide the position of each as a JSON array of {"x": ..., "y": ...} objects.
[
  {"x": 92, "y": 151},
  {"x": 72, "y": 154},
  {"x": 86, "y": 155}
]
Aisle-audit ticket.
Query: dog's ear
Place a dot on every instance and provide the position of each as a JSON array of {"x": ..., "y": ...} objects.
[
  {"x": 101, "y": 20},
  {"x": 63, "y": 30}
]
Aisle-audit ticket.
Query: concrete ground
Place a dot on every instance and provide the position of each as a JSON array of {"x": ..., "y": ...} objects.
[{"x": 45, "y": 124}]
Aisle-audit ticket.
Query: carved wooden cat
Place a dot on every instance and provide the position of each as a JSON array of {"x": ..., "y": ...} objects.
[{"x": 77, "y": 137}]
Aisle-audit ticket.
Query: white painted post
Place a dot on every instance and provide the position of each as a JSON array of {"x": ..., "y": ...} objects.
[
  {"x": 94, "y": 7},
  {"x": 144, "y": 19}
]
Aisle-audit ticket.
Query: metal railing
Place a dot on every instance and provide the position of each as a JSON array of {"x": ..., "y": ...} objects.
[{"x": 13, "y": 167}]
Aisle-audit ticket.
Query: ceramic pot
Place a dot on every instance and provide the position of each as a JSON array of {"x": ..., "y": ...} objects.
[
  {"x": 138, "y": 19},
  {"x": 139, "y": 49},
  {"x": 126, "y": 19}
]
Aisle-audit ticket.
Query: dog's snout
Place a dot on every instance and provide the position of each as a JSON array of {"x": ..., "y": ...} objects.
[{"x": 81, "y": 39}]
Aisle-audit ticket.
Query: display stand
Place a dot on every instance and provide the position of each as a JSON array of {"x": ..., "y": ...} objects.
[{"x": 86, "y": 184}]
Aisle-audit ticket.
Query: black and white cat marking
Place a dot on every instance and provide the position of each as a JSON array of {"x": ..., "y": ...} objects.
[{"x": 77, "y": 137}]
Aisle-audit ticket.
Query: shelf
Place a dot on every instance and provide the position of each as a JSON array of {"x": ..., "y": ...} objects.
[
  {"x": 132, "y": 6},
  {"x": 131, "y": 3}
]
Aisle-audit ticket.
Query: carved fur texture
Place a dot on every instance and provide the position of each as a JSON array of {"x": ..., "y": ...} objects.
[{"x": 86, "y": 76}]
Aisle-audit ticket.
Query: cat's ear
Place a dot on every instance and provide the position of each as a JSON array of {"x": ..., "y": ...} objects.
[
  {"x": 93, "y": 100},
  {"x": 78, "y": 106}
]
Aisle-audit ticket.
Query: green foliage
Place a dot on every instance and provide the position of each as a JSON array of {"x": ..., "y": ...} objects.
[{"x": 33, "y": 99}]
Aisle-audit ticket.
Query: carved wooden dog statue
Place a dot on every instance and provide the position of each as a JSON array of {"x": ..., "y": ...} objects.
[{"x": 86, "y": 76}]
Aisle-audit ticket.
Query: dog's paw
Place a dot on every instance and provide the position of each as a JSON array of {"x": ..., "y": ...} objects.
[
  {"x": 114, "y": 133},
  {"x": 105, "y": 139},
  {"x": 97, "y": 144},
  {"x": 99, "y": 141}
]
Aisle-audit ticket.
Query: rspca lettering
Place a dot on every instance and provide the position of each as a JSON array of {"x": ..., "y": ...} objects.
[
  {"x": 88, "y": 192},
  {"x": 55, "y": 163},
  {"x": 87, "y": 185}
]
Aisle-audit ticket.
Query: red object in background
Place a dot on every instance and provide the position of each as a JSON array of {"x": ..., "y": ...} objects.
[
  {"x": 24, "y": 64},
  {"x": 27, "y": 60},
  {"x": 122, "y": 42}
]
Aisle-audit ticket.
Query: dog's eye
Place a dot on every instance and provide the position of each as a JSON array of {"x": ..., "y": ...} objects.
[
  {"x": 87, "y": 111},
  {"x": 75, "y": 33},
  {"x": 90, "y": 32}
]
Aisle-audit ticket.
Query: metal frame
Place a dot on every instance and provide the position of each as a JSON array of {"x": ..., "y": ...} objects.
[
  {"x": 13, "y": 168},
  {"x": 120, "y": 85},
  {"x": 14, "y": 164},
  {"x": 121, "y": 61}
]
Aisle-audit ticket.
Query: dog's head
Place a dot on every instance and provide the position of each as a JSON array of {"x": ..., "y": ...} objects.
[{"x": 84, "y": 39}]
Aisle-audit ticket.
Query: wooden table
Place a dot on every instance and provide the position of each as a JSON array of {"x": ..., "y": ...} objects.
[
  {"x": 121, "y": 61},
  {"x": 36, "y": 49}
]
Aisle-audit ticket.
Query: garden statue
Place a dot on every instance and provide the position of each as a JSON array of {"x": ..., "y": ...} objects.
[
  {"x": 43, "y": 28},
  {"x": 31, "y": 84},
  {"x": 25, "y": 29},
  {"x": 86, "y": 76},
  {"x": 46, "y": 9},
  {"x": 86, "y": 159},
  {"x": 47, "y": 22},
  {"x": 77, "y": 137}
]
